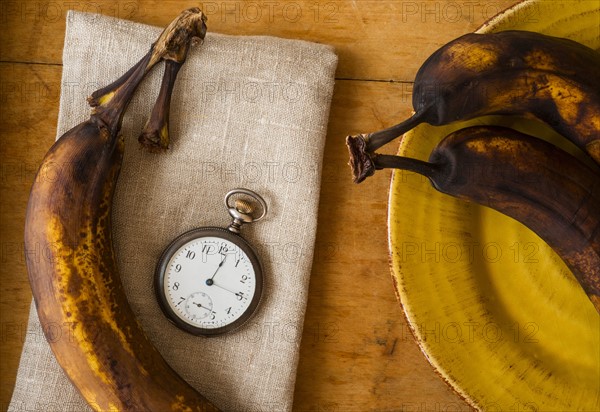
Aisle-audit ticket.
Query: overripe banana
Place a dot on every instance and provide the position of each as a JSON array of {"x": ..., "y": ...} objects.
[
  {"x": 510, "y": 73},
  {"x": 104, "y": 352},
  {"x": 528, "y": 179},
  {"x": 471, "y": 53}
]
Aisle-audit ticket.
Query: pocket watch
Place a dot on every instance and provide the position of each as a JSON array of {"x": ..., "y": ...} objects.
[{"x": 209, "y": 280}]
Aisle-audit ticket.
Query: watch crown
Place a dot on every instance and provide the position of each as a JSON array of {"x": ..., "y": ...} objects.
[
  {"x": 242, "y": 209},
  {"x": 244, "y": 206}
]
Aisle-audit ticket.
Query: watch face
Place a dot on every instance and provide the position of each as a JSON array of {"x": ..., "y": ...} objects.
[{"x": 209, "y": 281}]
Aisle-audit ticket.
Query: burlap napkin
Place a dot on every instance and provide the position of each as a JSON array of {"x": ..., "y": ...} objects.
[{"x": 246, "y": 111}]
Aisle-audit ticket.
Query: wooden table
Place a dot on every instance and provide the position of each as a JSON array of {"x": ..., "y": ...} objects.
[{"x": 357, "y": 353}]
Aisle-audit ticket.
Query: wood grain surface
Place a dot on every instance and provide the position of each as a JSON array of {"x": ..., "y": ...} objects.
[{"x": 357, "y": 353}]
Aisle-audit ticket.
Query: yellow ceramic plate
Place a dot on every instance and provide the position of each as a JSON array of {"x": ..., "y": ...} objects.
[{"x": 493, "y": 308}]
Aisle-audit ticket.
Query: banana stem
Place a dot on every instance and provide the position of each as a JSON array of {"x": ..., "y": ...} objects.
[
  {"x": 380, "y": 138},
  {"x": 364, "y": 164},
  {"x": 110, "y": 102},
  {"x": 362, "y": 146},
  {"x": 155, "y": 135},
  {"x": 427, "y": 169}
]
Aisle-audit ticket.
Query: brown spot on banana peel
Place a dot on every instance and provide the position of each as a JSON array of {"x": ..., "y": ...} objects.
[
  {"x": 518, "y": 175},
  {"x": 473, "y": 56},
  {"x": 541, "y": 60},
  {"x": 76, "y": 285}
]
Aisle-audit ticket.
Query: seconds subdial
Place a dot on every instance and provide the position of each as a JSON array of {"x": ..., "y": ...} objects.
[{"x": 199, "y": 306}]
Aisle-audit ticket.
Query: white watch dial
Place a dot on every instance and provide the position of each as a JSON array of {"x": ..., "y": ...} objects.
[{"x": 209, "y": 282}]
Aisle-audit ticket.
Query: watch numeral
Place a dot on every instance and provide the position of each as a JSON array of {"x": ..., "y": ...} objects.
[
  {"x": 213, "y": 315},
  {"x": 175, "y": 285},
  {"x": 181, "y": 300},
  {"x": 229, "y": 310},
  {"x": 237, "y": 262},
  {"x": 190, "y": 254},
  {"x": 240, "y": 295},
  {"x": 244, "y": 278},
  {"x": 178, "y": 268},
  {"x": 223, "y": 249}
]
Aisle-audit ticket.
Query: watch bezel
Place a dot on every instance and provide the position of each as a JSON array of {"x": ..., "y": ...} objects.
[{"x": 174, "y": 246}]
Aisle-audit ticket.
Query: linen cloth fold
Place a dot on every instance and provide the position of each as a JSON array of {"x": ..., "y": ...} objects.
[{"x": 247, "y": 111}]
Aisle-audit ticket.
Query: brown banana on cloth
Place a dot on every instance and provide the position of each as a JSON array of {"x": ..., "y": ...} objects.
[
  {"x": 545, "y": 188},
  {"x": 107, "y": 356}
]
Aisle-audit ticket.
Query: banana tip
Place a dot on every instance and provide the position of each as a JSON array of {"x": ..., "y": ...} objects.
[{"x": 153, "y": 141}]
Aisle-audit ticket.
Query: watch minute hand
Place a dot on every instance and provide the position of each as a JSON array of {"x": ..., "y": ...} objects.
[{"x": 219, "y": 267}]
